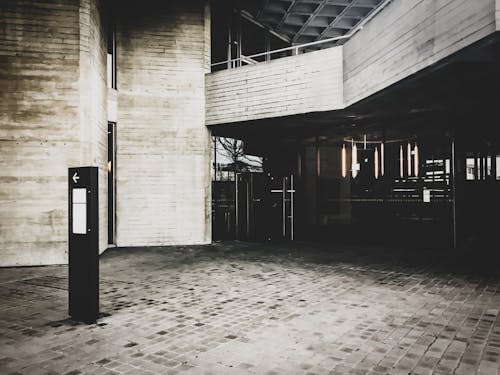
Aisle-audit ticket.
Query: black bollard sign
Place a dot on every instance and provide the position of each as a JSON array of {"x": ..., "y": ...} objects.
[{"x": 83, "y": 244}]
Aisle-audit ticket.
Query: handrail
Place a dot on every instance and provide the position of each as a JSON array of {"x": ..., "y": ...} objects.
[
  {"x": 233, "y": 63},
  {"x": 296, "y": 48},
  {"x": 248, "y": 60}
]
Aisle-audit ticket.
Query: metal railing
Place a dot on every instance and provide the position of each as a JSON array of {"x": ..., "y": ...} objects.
[{"x": 251, "y": 59}]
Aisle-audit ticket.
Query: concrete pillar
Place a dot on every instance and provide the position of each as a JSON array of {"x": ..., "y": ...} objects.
[
  {"x": 163, "y": 146},
  {"x": 51, "y": 118}
]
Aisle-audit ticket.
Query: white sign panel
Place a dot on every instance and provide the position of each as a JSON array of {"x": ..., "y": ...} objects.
[
  {"x": 79, "y": 195},
  {"x": 79, "y": 208},
  {"x": 427, "y": 196}
]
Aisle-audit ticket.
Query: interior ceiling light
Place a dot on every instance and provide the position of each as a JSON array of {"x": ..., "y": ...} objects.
[
  {"x": 376, "y": 162},
  {"x": 408, "y": 151},
  {"x": 398, "y": 140},
  {"x": 415, "y": 160},
  {"x": 401, "y": 162},
  {"x": 318, "y": 161},
  {"x": 364, "y": 141},
  {"x": 382, "y": 157},
  {"x": 354, "y": 166},
  {"x": 299, "y": 164},
  {"x": 344, "y": 162}
]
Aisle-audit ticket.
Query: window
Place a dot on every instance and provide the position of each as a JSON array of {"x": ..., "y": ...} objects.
[
  {"x": 470, "y": 169},
  {"x": 498, "y": 167},
  {"x": 480, "y": 168},
  {"x": 111, "y": 61}
]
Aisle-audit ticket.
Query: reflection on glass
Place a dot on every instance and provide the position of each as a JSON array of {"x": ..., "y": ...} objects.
[
  {"x": 480, "y": 168},
  {"x": 358, "y": 202},
  {"x": 299, "y": 164},
  {"x": 318, "y": 161},
  {"x": 229, "y": 158}
]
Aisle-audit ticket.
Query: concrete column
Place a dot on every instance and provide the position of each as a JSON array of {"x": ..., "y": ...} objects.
[
  {"x": 51, "y": 118},
  {"x": 163, "y": 146}
]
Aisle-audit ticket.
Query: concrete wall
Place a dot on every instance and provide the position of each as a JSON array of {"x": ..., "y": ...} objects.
[
  {"x": 163, "y": 146},
  {"x": 408, "y": 36},
  {"x": 48, "y": 121},
  {"x": 497, "y": 13},
  {"x": 296, "y": 84},
  {"x": 93, "y": 130}
]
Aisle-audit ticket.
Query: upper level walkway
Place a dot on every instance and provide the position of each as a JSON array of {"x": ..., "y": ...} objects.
[{"x": 403, "y": 39}]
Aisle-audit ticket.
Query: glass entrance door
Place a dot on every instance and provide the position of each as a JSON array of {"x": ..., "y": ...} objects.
[
  {"x": 111, "y": 182},
  {"x": 478, "y": 193},
  {"x": 282, "y": 208},
  {"x": 265, "y": 207}
]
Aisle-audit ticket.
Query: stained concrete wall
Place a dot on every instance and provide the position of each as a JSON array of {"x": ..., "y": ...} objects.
[
  {"x": 93, "y": 102},
  {"x": 49, "y": 121},
  {"x": 292, "y": 85},
  {"x": 497, "y": 13},
  {"x": 408, "y": 36},
  {"x": 163, "y": 146}
]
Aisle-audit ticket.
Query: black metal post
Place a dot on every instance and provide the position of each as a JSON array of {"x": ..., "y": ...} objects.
[{"x": 83, "y": 251}]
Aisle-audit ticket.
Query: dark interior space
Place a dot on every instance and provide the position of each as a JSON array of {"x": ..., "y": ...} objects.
[{"x": 437, "y": 185}]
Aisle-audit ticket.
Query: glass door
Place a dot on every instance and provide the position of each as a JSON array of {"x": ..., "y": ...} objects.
[{"x": 111, "y": 182}]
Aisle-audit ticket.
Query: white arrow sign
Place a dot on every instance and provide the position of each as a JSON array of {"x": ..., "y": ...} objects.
[{"x": 75, "y": 178}]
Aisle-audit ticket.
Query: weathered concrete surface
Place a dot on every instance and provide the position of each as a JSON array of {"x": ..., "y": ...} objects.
[
  {"x": 163, "y": 146},
  {"x": 51, "y": 118},
  {"x": 497, "y": 11},
  {"x": 93, "y": 102},
  {"x": 408, "y": 36},
  {"x": 259, "y": 309},
  {"x": 292, "y": 85},
  {"x": 53, "y": 115}
]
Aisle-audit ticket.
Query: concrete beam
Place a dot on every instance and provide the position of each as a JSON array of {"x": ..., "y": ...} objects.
[
  {"x": 408, "y": 36},
  {"x": 296, "y": 84}
]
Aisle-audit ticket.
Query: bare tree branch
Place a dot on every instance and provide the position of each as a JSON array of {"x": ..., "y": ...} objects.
[{"x": 234, "y": 150}]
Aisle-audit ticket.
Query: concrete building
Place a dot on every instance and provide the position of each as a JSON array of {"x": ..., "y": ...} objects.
[
  {"x": 56, "y": 106},
  {"x": 352, "y": 147},
  {"x": 137, "y": 89}
]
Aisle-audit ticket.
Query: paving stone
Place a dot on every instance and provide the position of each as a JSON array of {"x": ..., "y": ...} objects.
[{"x": 240, "y": 308}]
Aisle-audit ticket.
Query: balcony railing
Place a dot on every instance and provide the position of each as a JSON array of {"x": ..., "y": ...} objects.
[{"x": 295, "y": 50}]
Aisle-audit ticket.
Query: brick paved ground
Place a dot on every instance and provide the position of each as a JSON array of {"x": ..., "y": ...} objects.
[{"x": 258, "y": 309}]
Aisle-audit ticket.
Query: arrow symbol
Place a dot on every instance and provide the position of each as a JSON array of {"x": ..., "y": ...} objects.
[{"x": 75, "y": 178}]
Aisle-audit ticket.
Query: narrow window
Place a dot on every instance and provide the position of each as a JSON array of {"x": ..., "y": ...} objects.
[
  {"x": 111, "y": 62},
  {"x": 498, "y": 167},
  {"x": 111, "y": 182}
]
